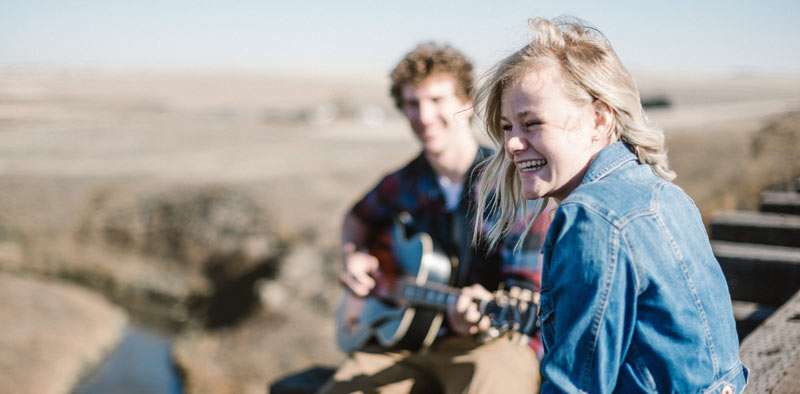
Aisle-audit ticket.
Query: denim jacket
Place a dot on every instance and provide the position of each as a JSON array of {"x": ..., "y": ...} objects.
[{"x": 633, "y": 299}]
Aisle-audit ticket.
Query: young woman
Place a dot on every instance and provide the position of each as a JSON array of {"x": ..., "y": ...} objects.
[{"x": 632, "y": 297}]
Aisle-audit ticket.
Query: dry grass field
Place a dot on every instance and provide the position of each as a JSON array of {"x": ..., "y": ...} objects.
[
  {"x": 330, "y": 137},
  {"x": 304, "y": 148}
]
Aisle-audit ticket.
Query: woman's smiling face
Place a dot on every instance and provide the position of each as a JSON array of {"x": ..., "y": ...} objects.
[{"x": 550, "y": 138}]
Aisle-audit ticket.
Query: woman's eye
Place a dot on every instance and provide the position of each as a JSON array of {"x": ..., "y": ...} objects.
[
  {"x": 534, "y": 124},
  {"x": 505, "y": 127}
]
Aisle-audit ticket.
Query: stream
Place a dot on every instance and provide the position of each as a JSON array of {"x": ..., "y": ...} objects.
[{"x": 141, "y": 363}]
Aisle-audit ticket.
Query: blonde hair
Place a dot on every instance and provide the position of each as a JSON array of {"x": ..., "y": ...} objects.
[{"x": 589, "y": 67}]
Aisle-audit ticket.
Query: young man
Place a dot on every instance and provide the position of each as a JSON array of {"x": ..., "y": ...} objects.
[{"x": 432, "y": 87}]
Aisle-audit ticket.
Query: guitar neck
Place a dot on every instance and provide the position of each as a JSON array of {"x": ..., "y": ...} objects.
[
  {"x": 428, "y": 295},
  {"x": 513, "y": 312}
]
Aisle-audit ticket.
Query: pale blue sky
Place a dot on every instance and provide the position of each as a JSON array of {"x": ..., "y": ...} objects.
[{"x": 369, "y": 36}]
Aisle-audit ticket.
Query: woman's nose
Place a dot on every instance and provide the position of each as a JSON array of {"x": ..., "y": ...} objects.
[{"x": 514, "y": 144}]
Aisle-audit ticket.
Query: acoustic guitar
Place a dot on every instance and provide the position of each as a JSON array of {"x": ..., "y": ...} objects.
[{"x": 407, "y": 312}]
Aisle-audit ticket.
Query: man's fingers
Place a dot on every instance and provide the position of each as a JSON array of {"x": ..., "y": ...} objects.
[
  {"x": 363, "y": 280},
  {"x": 362, "y": 262},
  {"x": 477, "y": 321},
  {"x": 354, "y": 285},
  {"x": 472, "y": 315},
  {"x": 480, "y": 292},
  {"x": 484, "y": 324},
  {"x": 463, "y": 302},
  {"x": 468, "y": 315},
  {"x": 372, "y": 263},
  {"x": 358, "y": 270}
]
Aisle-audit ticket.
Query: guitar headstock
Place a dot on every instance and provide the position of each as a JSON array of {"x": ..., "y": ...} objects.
[{"x": 512, "y": 312}]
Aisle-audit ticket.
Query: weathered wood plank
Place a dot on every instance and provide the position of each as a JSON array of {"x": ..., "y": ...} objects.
[
  {"x": 749, "y": 316},
  {"x": 757, "y": 228},
  {"x": 772, "y": 352},
  {"x": 781, "y": 202},
  {"x": 763, "y": 274},
  {"x": 787, "y": 385}
]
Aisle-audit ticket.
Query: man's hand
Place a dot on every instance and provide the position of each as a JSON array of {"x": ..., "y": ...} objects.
[
  {"x": 464, "y": 316},
  {"x": 358, "y": 270}
]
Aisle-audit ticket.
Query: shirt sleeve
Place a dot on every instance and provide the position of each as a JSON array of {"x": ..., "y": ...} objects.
[
  {"x": 525, "y": 264},
  {"x": 588, "y": 303},
  {"x": 376, "y": 207}
]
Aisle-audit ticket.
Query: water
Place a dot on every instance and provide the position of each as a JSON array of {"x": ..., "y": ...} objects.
[{"x": 141, "y": 363}]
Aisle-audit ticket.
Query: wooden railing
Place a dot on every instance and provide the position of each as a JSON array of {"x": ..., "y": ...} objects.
[
  {"x": 760, "y": 255},
  {"x": 772, "y": 351}
]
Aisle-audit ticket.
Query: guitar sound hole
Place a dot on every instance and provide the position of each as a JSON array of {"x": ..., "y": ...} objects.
[{"x": 390, "y": 302}]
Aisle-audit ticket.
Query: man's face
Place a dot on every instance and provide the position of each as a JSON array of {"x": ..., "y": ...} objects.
[{"x": 437, "y": 114}]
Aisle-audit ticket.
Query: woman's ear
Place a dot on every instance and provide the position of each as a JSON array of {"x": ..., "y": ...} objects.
[{"x": 603, "y": 121}]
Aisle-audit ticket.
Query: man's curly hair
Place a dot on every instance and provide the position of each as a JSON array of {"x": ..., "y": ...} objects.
[{"x": 427, "y": 59}]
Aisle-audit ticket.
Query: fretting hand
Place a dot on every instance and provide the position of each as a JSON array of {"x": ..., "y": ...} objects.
[
  {"x": 464, "y": 314},
  {"x": 358, "y": 270}
]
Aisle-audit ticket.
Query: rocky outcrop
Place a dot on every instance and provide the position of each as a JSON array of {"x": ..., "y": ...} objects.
[
  {"x": 52, "y": 334},
  {"x": 170, "y": 253},
  {"x": 190, "y": 225}
]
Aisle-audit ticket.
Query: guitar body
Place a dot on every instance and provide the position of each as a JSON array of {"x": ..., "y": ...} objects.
[
  {"x": 395, "y": 325},
  {"x": 418, "y": 326}
]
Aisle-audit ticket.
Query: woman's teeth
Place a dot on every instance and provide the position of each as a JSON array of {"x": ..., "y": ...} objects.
[{"x": 531, "y": 165}]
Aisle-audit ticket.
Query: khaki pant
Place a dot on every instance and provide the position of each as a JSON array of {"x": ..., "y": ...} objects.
[{"x": 451, "y": 365}]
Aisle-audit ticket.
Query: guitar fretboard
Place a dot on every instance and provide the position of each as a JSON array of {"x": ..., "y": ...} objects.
[
  {"x": 428, "y": 296},
  {"x": 506, "y": 314}
]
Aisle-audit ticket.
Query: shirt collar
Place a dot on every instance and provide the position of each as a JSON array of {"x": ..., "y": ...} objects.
[
  {"x": 481, "y": 156},
  {"x": 607, "y": 160}
]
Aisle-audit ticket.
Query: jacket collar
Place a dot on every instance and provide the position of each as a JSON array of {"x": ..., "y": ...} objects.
[{"x": 608, "y": 160}]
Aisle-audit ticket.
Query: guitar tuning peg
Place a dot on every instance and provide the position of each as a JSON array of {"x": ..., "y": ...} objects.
[
  {"x": 514, "y": 292},
  {"x": 404, "y": 218},
  {"x": 526, "y": 295}
]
